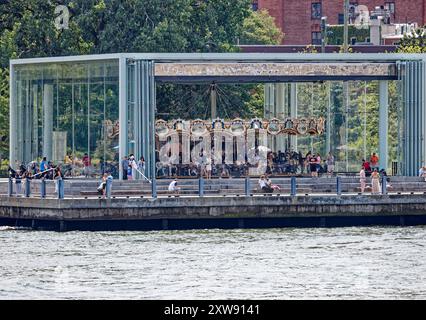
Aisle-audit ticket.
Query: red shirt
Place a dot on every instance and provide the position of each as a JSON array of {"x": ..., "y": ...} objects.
[
  {"x": 374, "y": 160},
  {"x": 366, "y": 166},
  {"x": 86, "y": 161}
]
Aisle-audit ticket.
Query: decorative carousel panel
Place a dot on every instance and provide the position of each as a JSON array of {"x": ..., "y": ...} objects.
[
  {"x": 238, "y": 127},
  {"x": 312, "y": 127},
  {"x": 256, "y": 124},
  {"x": 302, "y": 126},
  {"x": 321, "y": 125},
  {"x": 290, "y": 126},
  {"x": 274, "y": 127},
  {"x": 179, "y": 125},
  {"x": 198, "y": 127},
  {"x": 218, "y": 124},
  {"x": 161, "y": 128}
]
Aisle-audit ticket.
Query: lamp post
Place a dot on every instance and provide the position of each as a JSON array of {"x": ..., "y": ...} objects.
[
  {"x": 345, "y": 25},
  {"x": 323, "y": 33}
]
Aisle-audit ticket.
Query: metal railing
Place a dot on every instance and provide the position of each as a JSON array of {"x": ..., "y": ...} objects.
[{"x": 293, "y": 186}]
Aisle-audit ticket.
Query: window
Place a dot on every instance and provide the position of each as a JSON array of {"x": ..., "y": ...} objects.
[
  {"x": 341, "y": 18},
  {"x": 316, "y": 38},
  {"x": 391, "y": 7},
  {"x": 316, "y": 10},
  {"x": 255, "y": 5},
  {"x": 353, "y": 41}
]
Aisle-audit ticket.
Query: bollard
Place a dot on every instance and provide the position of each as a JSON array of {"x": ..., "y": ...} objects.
[
  {"x": 247, "y": 186},
  {"x": 60, "y": 189},
  {"x": 338, "y": 186},
  {"x": 10, "y": 187},
  {"x": 201, "y": 187},
  {"x": 384, "y": 190},
  {"x": 293, "y": 187},
  {"x": 108, "y": 188},
  {"x": 154, "y": 188},
  {"x": 43, "y": 188},
  {"x": 27, "y": 187}
]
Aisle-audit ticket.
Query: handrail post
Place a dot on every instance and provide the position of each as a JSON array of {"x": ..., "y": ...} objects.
[
  {"x": 43, "y": 188},
  {"x": 108, "y": 188},
  {"x": 201, "y": 187},
  {"x": 384, "y": 189},
  {"x": 338, "y": 186},
  {"x": 247, "y": 186},
  {"x": 27, "y": 187},
  {"x": 293, "y": 186},
  {"x": 10, "y": 187},
  {"x": 60, "y": 189},
  {"x": 154, "y": 188}
]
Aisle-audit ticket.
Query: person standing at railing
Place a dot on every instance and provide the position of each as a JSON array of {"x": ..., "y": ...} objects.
[
  {"x": 141, "y": 165},
  {"x": 362, "y": 179},
  {"x": 375, "y": 182},
  {"x": 131, "y": 174},
  {"x": 18, "y": 183},
  {"x": 86, "y": 163},
  {"x": 125, "y": 167},
  {"x": 57, "y": 175},
  {"x": 43, "y": 165},
  {"x": 374, "y": 162}
]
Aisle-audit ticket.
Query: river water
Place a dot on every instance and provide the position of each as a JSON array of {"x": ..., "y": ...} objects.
[{"x": 340, "y": 263}]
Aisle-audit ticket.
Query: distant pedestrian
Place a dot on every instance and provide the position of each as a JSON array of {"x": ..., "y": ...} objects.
[
  {"x": 102, "y": 186},
  {"x": 375, "y": 182},
  {"x": 422, "y": 173},
  {"x": 43, "y": 165},
  {"x": 374, "y": 162},
  {"x": 86, "y": 163},
  {"x": 264, "y": 185},
  {"x": 125, "y": 167},
  {"x": 173, "y": 187},
  {"x": 141, "y": 165},
  {"x": 18, "y": 183},
  {"x": 362, "y": 179},
  {"x": 133, "y": 166}
]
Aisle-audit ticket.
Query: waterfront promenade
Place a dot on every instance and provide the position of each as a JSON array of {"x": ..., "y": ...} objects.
[{"x": 404, "y": 205}]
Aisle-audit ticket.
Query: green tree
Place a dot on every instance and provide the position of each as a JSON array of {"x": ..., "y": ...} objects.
[
  {"x": 260, "y": 28},
  {"x": 414, "y": 42}
]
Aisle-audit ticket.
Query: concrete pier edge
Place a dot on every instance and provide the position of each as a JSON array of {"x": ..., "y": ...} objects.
[{"x": 164, "y": 213}]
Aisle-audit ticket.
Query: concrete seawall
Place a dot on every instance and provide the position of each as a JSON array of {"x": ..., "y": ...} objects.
[{"x": 213, "y": 212}]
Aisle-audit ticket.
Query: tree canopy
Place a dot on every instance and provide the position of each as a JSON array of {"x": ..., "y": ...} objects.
[{"x": 414, "y": 42}]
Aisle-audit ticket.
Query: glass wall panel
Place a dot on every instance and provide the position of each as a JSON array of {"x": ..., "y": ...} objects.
[{"x": 67, "y": 110}]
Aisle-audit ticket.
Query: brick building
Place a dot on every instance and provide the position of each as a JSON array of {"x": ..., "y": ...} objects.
[{"x": 300, "y": 19}]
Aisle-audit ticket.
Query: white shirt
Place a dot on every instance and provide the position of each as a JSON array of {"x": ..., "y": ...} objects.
[
  {"x": 172, "y": 186},
  {"x": 262, "y": 183}
]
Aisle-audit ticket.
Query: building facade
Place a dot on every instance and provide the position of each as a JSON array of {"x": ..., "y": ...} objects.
[{"x": 300, "y": 20}]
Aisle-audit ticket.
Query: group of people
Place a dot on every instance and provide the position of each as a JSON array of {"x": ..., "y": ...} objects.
[
  {"x": 131, "y": 167},
  {"x": 265, "y": 184},
  {"x": 371, "y": 168},
  {"x": 45, "y": 170}
]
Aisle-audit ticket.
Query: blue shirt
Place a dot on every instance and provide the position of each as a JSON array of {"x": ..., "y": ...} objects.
[{"x": 43, "y": 166}]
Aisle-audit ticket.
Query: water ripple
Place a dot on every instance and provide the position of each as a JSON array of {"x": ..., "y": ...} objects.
[{"x": 340, "y": 263}]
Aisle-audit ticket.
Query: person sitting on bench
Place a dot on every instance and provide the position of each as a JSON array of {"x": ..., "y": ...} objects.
[
  {"x": 264, "y": 185},
  {"x": 173, "y": 186}
]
